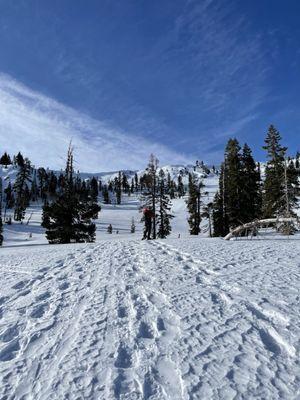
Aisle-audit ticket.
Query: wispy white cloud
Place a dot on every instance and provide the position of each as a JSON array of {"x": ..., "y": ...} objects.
[{"x": 41, "y": 128}]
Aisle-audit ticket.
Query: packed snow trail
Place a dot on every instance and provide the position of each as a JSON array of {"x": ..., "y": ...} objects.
[{"x": 176, "y": 319}]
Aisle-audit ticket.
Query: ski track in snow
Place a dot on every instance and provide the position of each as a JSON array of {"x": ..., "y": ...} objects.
[{"x": 176, "y": 319}]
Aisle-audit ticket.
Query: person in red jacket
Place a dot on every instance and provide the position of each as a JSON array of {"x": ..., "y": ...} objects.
[{"x": 148, "y": 216}]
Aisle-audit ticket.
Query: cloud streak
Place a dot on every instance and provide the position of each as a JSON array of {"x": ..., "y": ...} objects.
[{"x": 41, "y": 128}]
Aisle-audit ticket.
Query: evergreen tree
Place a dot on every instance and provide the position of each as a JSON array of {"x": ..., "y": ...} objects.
[
  {"x": 105, "y": 194},
  {"x": 70, "y": 216},
  {"x": 5, "y": 160},
  {"x": 94, "y": 191},
  {"x": 118, "y": 188},
  {"x": 219, "y": 214},
  {"x": 274, "y": 188},
  {"x": 20, "y": 160},
  {"x": 164, "y": 206},
  {"x": 194, "y": 202},
  {"x": 21, "y": 190},
  {"x": 233, "y": 183},
  {"x": 45, "y": 216},
  {"x": 251, "y": 195},
  {"x": 150, "y": 193},
  {"x": 9, "y": 196},
  {"x": 180, "y": 187}
]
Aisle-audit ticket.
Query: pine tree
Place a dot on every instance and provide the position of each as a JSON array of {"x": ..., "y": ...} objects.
[
  {"x": 164, "y": 207},
  {"x": 5, "y": 160},
  {"x": 233, "y": 183},
  {"x": 45, "y": 216},
  {"x": 118, "y": 188},
  {"x": 150, "y": 193},
  {"x": 219, "y": 214},
  {"x": 251, "y": 195},
  {"x": 20, "y": 160},
  {"x": 194, "y": 202},
  {"x": 180, "y": 187},
  {"x": 274, "y": 188},
  {"x": 21, "y": 190},
  {"x": 70, "y": 216},
  {"x": 94, "y": 191},
  {"x": 105, "y": 194},
  {"x": 9, "y": 196}
]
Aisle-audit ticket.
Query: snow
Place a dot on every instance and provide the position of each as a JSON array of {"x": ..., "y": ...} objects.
[{"x": 193, "y": 318}]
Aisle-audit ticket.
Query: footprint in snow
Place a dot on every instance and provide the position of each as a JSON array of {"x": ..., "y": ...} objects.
[
  {"x": 124, "y": 357},
  {"x": 10, "y": 351},
  {"x": 3, "y": 299},
  {"x": 20, "y": 285},
  {"x": 10, "y": 333},
  {"x": 146, "y": 331},
  {"x": 39, "y": 310},
  {"x": 43, "y": 296}
]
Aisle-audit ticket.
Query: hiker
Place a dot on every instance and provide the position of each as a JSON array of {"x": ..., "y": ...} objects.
[
  {"x": 109, "y": 228},
  {"x": 148, "y": 215}
]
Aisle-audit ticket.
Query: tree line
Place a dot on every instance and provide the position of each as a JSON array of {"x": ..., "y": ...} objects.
[{"x": 245, "y": 195}]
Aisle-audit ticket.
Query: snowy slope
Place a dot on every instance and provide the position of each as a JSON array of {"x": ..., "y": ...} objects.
[{"x": 125, "y": 319}]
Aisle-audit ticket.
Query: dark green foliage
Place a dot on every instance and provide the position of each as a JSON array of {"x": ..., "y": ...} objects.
[
  {"x": 71, "y": 213},
  {"x": 5, "y": 160},
  {"x": 251, "y": 187},
  {"x": 274, "y": 188},
  {"x": 105, "y": 194},
  {"x": 164, "y": 208},
  {"x": 220, "y": 217},
  {"x": 21, "y": 190},
  {"x": 180, "y": 187},
  {"x": 94, "y": 191},
  {"x": 194, "y": 202},
  {"x": 150, "y": 189}
]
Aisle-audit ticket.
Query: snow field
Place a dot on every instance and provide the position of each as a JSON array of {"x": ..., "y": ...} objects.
[{"x": 174, "y": 319}]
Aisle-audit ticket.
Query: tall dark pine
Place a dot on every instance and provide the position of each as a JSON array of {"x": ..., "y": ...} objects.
[
  {"x": 194, "y": 202},
  {"x": 70, "y": 214},
  {"x": 219, "y": 214},
  {"x": 118, "y": 188},
  {"x": 5, "y": 159},
  {"x": 150, "y": 192},
  {"x": 232, "y": 183},
  {"x": 251, "y": 194},
  {"x": 21, "y": 190},
  {"x": 164, "y": 207},
  {"x": 274, "y": 187}
]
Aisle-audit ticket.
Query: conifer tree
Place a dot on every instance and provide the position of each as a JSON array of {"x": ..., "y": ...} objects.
[
  {"x": 118, "y": 188},
  {"x": 164, "y": 207},
  {"x": 274, "y": 188},
  {"x": 105, "y": 194},
  {"x": 194, "y": 202},
  {"x": 150, "y": 193},
  {"x": 20, "y": 160},
  {"x": 180, "y": 187},
  {"x": 21, "y": 190},
  {"x": 233, "y": 183},
  {"x": 70, "y": 215},
  {"x": 5, "y": 160},
  {"x": 94, "y": 191},
  {"x": 9, "y": 196},
  {"x": 251, "y": 194}
]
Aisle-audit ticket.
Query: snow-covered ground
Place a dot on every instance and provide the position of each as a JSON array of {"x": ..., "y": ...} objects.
[{"x": 175, "y": 319}]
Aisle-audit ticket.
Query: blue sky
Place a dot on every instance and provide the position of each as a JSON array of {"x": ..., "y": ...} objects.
[{"x": 123, "y": 78}]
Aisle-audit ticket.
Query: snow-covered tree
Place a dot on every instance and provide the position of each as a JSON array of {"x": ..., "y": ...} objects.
[{"x": 21, "y": 190}]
